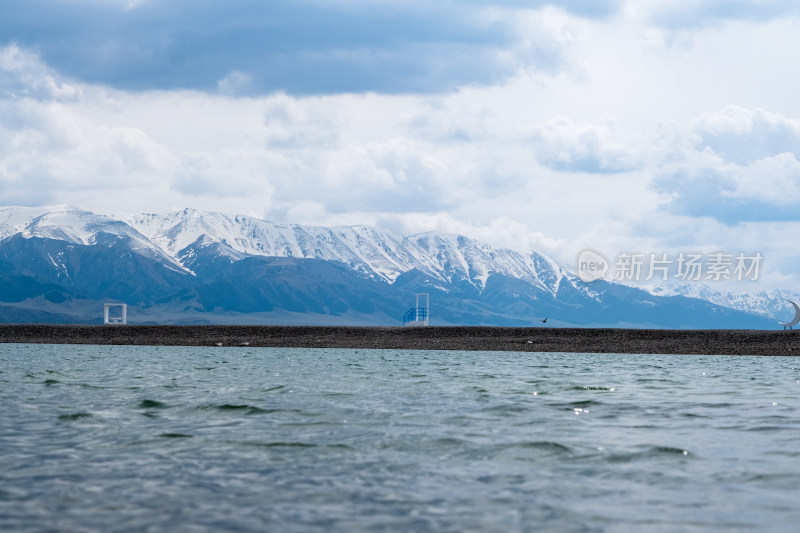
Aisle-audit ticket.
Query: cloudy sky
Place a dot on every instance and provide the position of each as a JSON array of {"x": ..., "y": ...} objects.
[{"x": 654, "y": 126}]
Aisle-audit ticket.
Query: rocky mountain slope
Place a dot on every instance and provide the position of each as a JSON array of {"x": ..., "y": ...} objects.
[{"x": 58, "y": 264}]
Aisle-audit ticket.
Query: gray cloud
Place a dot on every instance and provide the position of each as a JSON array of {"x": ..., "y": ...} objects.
[
  {"x": 744, "y": 135},
  {"x": 737, "y": 165},
  {"x": 296, "y": 46},
  {"x": 678, "y": 15},
  {"x": 712, "y": 193},
  {"x": 47, "y": 147},
  {"x": 393, "y": 177},
  {"x": 566, "y": 146}
]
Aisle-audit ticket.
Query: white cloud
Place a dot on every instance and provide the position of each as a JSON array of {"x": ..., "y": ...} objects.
[
  {"x": 636, "y": 141},
  {"x": 772, "y": 180},
  {"x": 566, "y": 146},
  {"x": 734, "y": 165},
  {"x": 235, "y": 83},
  {"x": 743, "y": 135},
  {"x": 695, "y": 13},
  {"x": 22, "y": 74},
  {"x": 46, "y": 149},
  {"x": 292, "y": 123}
]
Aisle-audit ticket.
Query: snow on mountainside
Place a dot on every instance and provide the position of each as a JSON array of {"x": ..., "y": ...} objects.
[
  {"x": 362, "y": 248},
  {"x": 189, "y": 239},
  {"x": 178, "y": 235},
  {"x": 76, "y": 226},
  {"x": 191, "y": 265},
  {"x": 365, "y": 249},
  {"x": 772, "y": 304},
  {"x": 456, "y": 257}
]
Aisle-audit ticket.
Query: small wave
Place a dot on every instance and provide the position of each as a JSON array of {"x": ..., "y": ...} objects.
[
  {"x": 307, "y": 423},
  {"x": 49, "y": 382},
  {"x": 652, "y": 452},
  {"x": 284, "y": 444},
  {"x": 766, "y": 428},
  {"x": 545, "y": 445},
  {"x": 531, "y": 450},
  {"x": 721, "y": 405},
  {"x": 275, "y": 388},
  {"x": 668, "y": 450},
  {"x": 580, "y": 404},
  {"x": 175, "y": 435},
  {"x": 288, "y": 444},
  {"x": 245, "y": 409},
  {"x": 443, "y": 442},
  {"x": 507, "y": 409},
  {"x": 90, "y": 386},
  {"x": 75, "y": 416},
  {"x": 789, "y": 478},
  {"x": 233, "y": 407},
  {"x": 151, "y": 404},
  {"x": 463, "y": 420}
]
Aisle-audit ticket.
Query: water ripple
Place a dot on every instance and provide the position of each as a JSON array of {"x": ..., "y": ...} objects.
[{"x": 121, "y": 438}]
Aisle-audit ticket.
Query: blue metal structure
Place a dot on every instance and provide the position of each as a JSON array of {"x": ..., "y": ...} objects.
[{"x": 418, "y": 315}]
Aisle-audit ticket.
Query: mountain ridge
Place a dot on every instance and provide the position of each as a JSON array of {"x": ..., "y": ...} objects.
[{"x": 190, "y": 265}]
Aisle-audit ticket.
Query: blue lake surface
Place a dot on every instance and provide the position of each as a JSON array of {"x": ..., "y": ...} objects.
[{"x": 131, "y": 438}]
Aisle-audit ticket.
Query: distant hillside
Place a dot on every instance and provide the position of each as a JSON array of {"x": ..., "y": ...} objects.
[{"x": 60, "y": 264}]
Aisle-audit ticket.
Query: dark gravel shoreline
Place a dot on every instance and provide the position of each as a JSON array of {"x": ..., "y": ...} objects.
[{"x": 592, "y": 340}]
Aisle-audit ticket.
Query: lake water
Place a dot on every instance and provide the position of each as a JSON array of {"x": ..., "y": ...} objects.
[{"x": 125, "y": 438}]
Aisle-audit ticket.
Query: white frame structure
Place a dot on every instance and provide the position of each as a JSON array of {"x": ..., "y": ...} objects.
[
  {"x": 426, "y": 314},
  {"x": 108, "y": 320}
]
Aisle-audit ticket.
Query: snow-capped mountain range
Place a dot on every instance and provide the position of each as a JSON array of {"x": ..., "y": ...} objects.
[
  {"x": 377, "y": 254},
  {"x": 772, "y": 304},
  {"x": 445, "y": 257},
  {"x": 197, "y": 266}
]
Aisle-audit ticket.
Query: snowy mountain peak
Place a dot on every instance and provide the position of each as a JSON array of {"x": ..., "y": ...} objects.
[
  {"x": 771, "y": 303},
  {"x": 360, "y": 247},
  {"x": 168, "y": 246},
  {"x": 76, "y": 226},
  {"x": 458, "y": 257},
  {"x": 374, "y": 253},
  {"x": 14, "y": 219}
]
